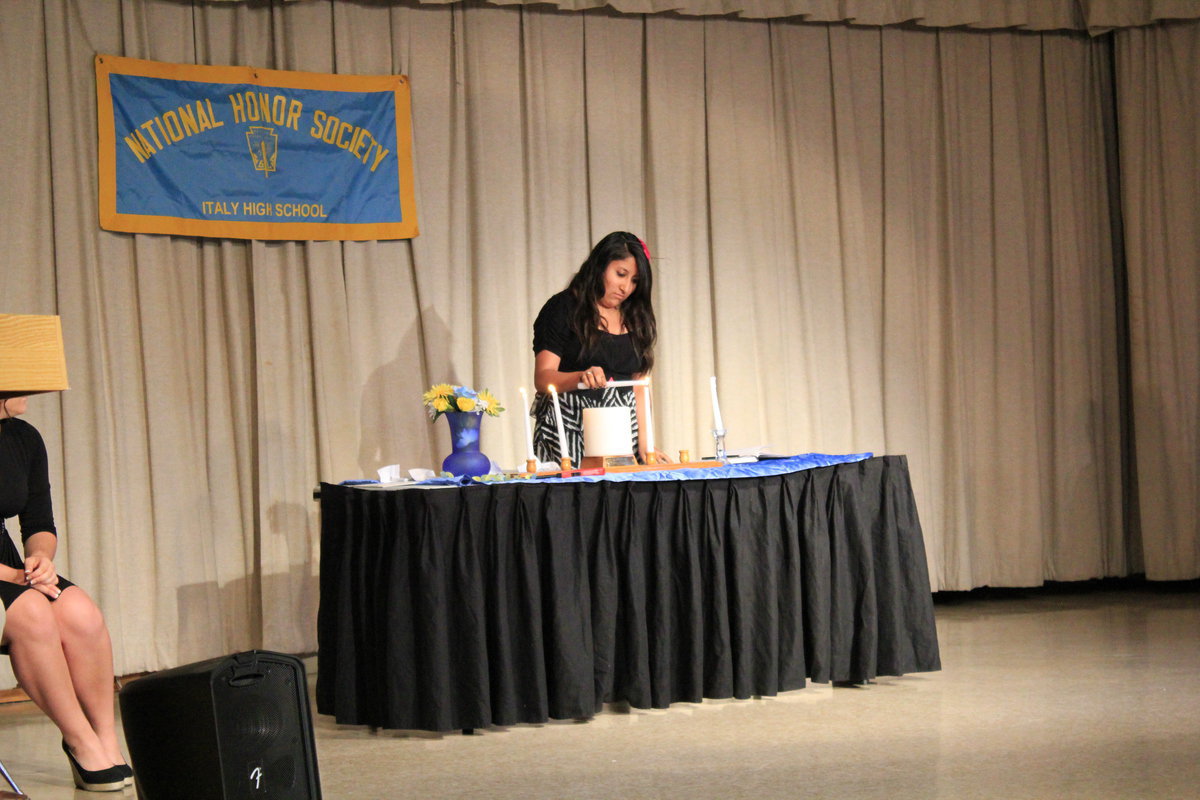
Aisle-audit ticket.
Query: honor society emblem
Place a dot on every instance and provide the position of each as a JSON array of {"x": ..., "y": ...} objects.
[{"x": 264, "y": 148}]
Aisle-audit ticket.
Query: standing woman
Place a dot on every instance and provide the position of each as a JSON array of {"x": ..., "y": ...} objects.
[
  {"x": 52, "y": 631},
  {"x": 600, "y": 327}
]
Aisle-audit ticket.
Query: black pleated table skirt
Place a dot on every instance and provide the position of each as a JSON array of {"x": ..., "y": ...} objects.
[{"x": 466, "y": 607}]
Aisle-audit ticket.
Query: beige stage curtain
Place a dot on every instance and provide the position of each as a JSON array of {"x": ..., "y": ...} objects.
[
  {"x": 1095, "y": 16},
  {"x": 1158, "y": 72},
  {"x": 890, "y": 240}
]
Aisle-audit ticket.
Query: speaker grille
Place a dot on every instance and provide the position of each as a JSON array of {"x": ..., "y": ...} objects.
[{"x": 259, "y": 725}]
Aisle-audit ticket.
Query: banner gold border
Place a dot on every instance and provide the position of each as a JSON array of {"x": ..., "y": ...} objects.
[{"x": 112, "y": 220}]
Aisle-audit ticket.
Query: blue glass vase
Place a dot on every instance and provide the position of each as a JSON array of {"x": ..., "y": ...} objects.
[{"x": 466, "y": 460}]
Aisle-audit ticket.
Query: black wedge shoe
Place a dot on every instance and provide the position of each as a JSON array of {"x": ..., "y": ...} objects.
[
  {"x": 110, "y": 779},
  {"x": 126, "y": 773}
]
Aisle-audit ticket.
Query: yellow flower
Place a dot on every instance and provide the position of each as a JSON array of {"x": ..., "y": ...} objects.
[
  {"x": 490, "y": 404},
  {"x": 436, "y": 391},
  {"x": 441, "y": 404},
  {"x": 465, "y": 404}
]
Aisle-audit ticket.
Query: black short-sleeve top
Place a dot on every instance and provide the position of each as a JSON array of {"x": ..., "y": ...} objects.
[
  {"x": 615, "y": 352},
  {"x": 24, "y": 484}
]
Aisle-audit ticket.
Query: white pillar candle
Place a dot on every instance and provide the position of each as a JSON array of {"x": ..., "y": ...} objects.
[
  {"x": 528, "y": 430},
  {"x": 606, "y": 431},
  {"x": 718, "y": 423},
  {"x": 649, "y": 423},
  {"x": 563, "y": 452}
]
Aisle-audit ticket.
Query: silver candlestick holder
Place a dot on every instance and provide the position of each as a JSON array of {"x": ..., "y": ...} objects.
[{"x": 719, "y": 440}]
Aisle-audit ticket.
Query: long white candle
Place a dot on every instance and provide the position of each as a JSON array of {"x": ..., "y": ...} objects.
[
  {"x": 718, "y": 423},
  {"x": 649, "y": 422},
  {"x": 563, "y": 452},
  {"x": 618, "y": 384},
  {"x": 528, "y": 431}
]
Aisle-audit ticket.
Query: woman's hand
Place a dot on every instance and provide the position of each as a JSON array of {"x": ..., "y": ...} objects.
[
  {"x": 41, "y": 575},
  {"x": 659, "y": 457},
  {"x": 546, "y": 374},
  {"x": 593, "y": 377}
]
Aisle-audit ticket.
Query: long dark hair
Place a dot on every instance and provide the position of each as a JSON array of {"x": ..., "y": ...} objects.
[{"x": 587, "y": 288}]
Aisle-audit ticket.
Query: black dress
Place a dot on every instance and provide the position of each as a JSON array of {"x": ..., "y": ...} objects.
[
  {"x": 615, "y": 354},
  {"x": 24, "y": 493}
]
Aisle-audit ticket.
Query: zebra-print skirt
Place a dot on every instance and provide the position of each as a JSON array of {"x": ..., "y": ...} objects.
[{"x": 545, "y": 432}]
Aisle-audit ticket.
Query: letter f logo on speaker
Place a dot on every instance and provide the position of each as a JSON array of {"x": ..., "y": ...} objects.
[{"x": 256, "y": 778}]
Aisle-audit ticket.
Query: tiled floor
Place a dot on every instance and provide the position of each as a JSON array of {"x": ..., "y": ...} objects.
[{"x": 1042, "y": 695}]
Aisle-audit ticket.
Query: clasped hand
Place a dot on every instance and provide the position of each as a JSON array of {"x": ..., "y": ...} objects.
[{"x": 41, "y": 575}]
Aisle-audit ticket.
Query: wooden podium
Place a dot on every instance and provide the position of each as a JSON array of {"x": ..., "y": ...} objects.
[{"x": 31, "y": 355}]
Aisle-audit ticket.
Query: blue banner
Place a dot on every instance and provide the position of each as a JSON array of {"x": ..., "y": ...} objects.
[{"x": 253, "y": 154}]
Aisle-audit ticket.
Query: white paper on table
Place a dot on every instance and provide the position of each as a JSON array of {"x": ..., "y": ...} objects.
[
  {"x": 746, "y": 455},
  {"x": 760, "y": 453},
  {"x": 390, "y": 474},
  {"x": 421, "y": 474}
]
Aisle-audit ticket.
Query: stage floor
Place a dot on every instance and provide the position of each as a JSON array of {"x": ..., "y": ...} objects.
[{"x": 1066, "y": 694}]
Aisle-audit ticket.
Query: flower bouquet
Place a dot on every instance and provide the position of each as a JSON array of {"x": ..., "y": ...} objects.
[
  {"x": 463, "y": 408},
  {"x": 443, "y": 397}
]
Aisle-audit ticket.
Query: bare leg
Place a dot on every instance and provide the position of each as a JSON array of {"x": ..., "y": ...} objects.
[
  {"x": 88, "y": 651},
  {"x": 36, "y": 651}
]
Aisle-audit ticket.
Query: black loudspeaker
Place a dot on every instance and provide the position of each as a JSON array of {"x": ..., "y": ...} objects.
[{"x": 225, "y": 729}]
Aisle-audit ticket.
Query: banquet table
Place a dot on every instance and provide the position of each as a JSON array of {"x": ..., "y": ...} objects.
[{"x": 467, "y": 606}]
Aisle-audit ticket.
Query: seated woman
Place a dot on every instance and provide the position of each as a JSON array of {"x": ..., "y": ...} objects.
[
  {"x": 600, "y": 327},
  {"x": 53, "y": 632}
]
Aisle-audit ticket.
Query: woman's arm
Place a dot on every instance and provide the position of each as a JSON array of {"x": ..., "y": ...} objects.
[
  {"x": 546, "y": 372},
  {"x": 12, "y": 575}
]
